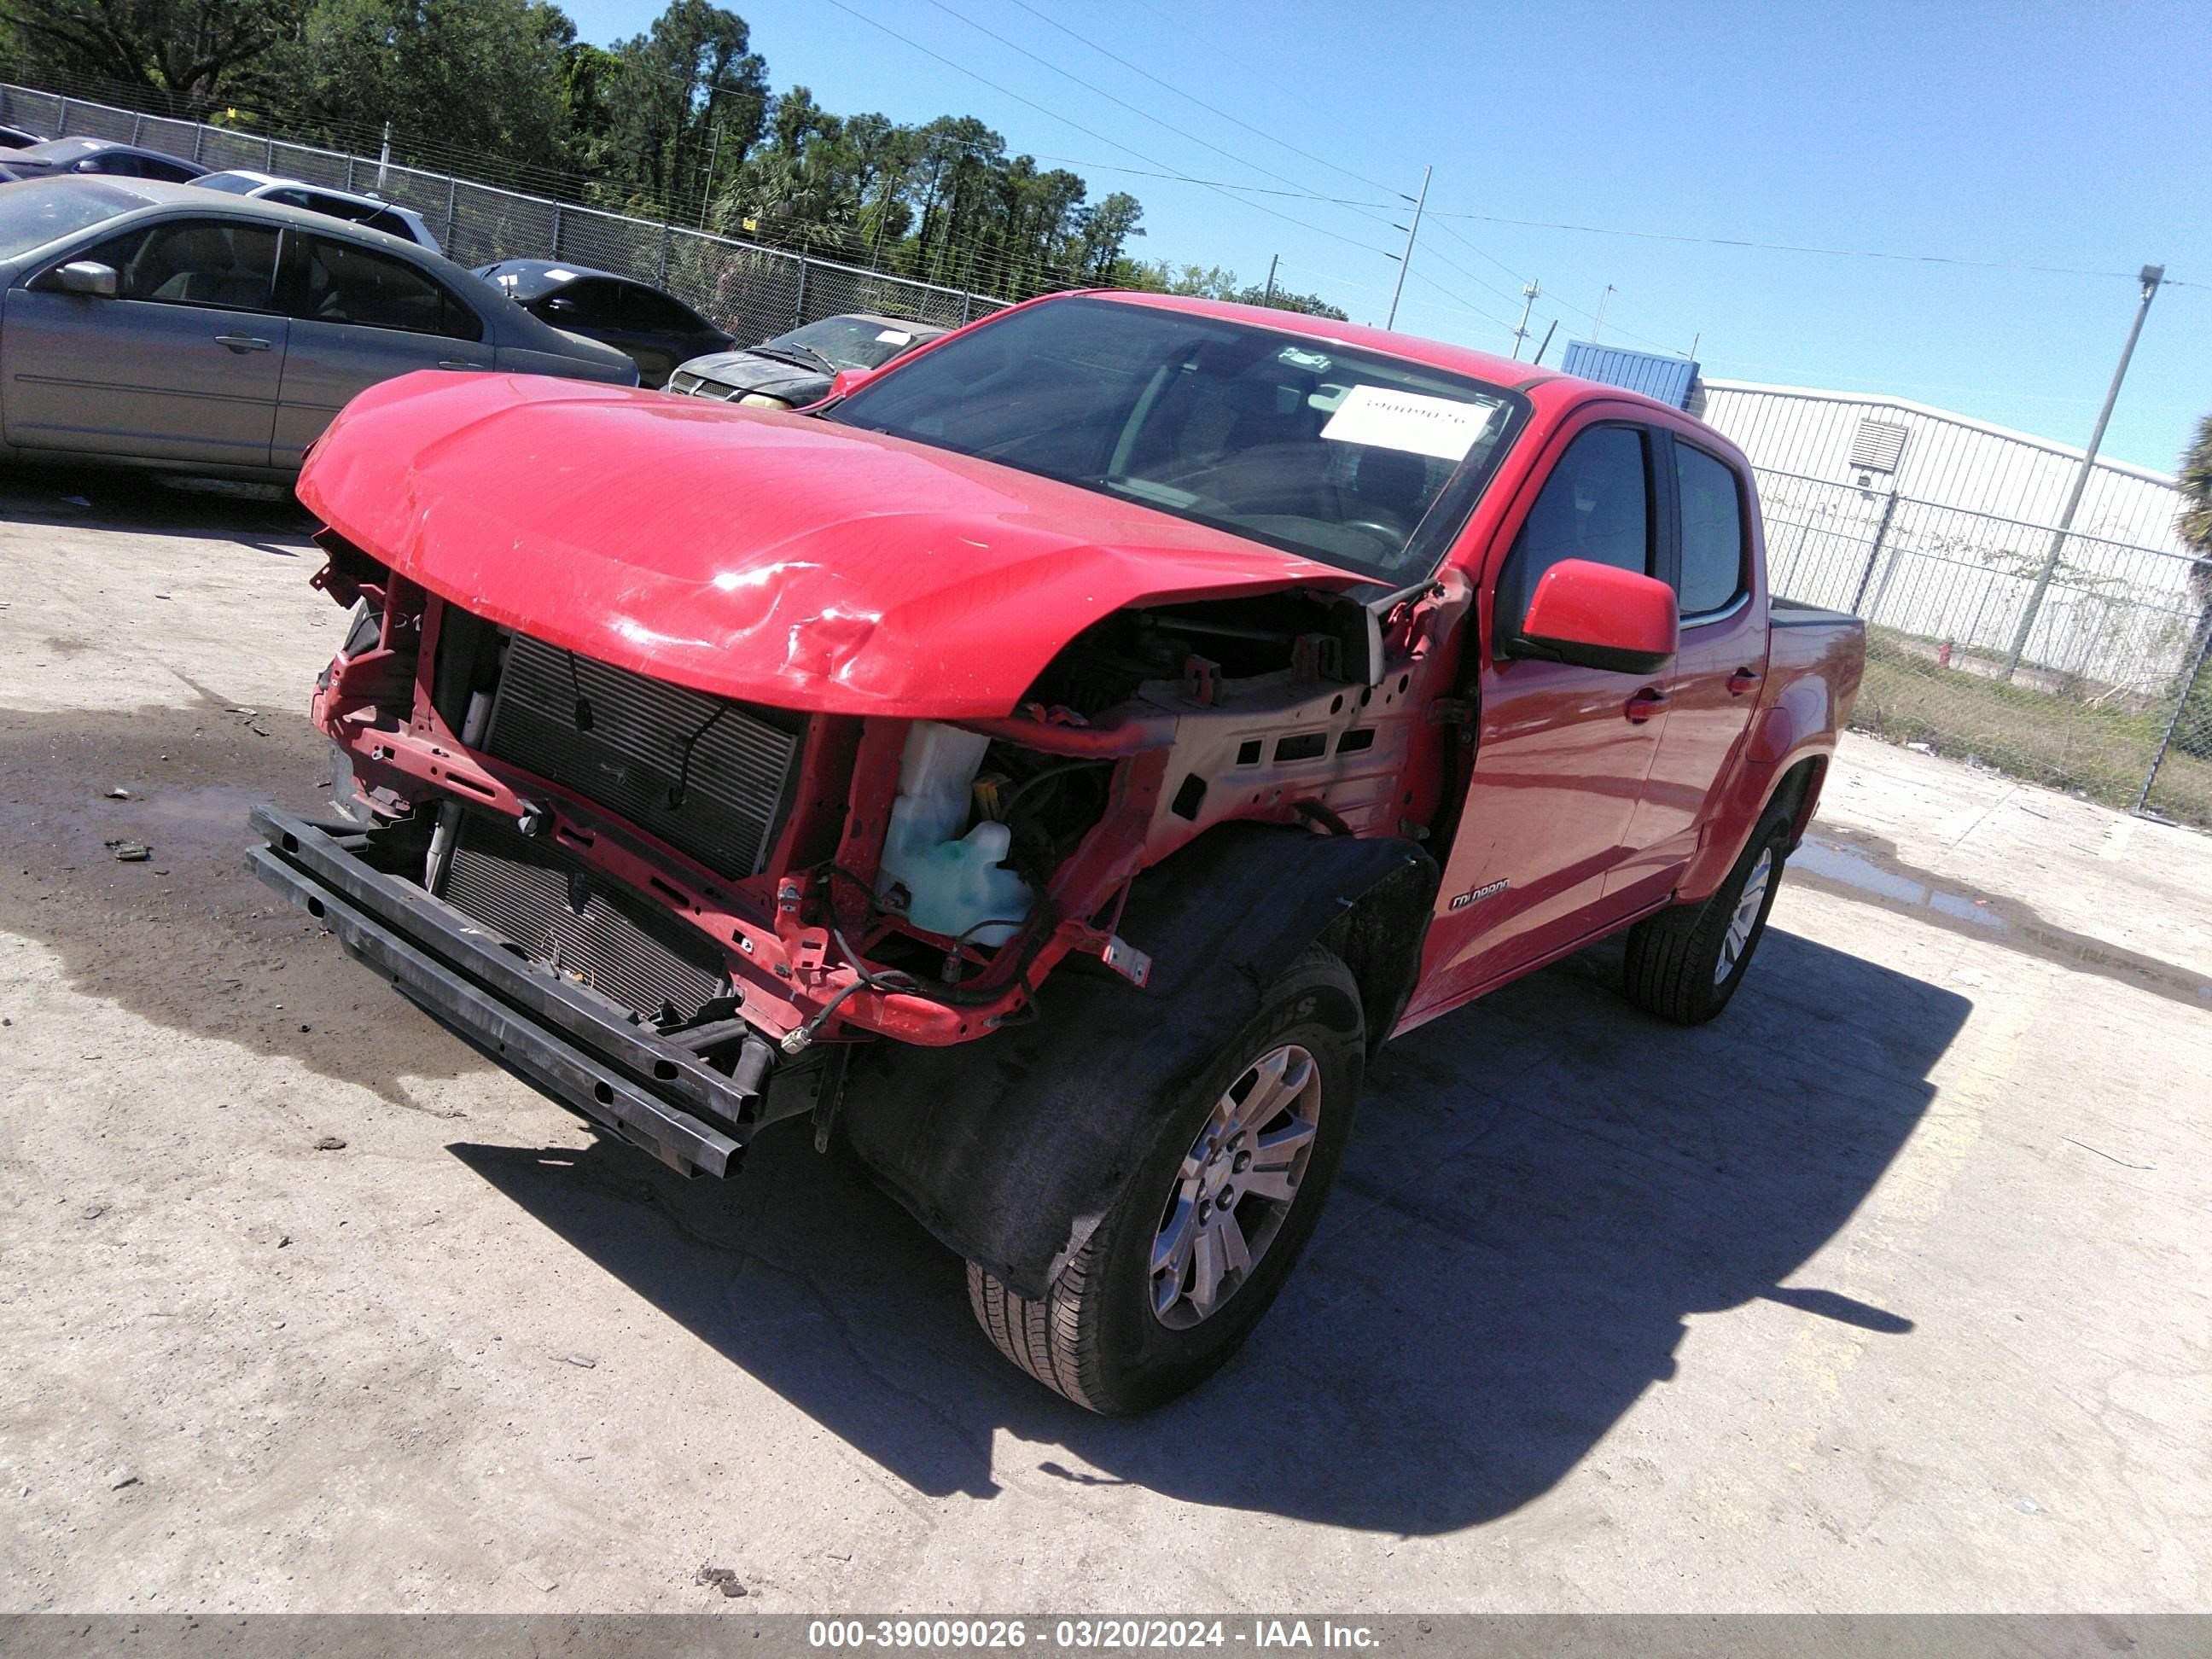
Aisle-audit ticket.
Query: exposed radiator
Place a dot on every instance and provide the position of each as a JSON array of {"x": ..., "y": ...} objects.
[
  {"x": 549, "y": 904},
  {"x": 708, "y": 775}
]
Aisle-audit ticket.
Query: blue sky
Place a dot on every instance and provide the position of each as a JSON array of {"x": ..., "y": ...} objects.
[{"x": 2044, "y": 135}]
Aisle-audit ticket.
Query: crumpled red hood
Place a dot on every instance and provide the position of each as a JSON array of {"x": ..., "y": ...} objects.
[{"x": 750, "y": 553}]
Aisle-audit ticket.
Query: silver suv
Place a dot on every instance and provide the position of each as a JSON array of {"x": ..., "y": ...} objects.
[{"x": 371, "y": 210}]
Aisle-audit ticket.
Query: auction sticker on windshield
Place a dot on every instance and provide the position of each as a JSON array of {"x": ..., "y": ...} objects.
[{"x": 1383, "y": 419}]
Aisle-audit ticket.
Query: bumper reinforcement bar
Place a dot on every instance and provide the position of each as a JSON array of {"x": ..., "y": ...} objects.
[{"x": 626, "y": 1077}]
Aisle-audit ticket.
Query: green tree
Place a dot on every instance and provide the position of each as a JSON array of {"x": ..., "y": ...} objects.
[
  {"x": 800, "y": 188},
  {"x": 186, "y": 53},
  {"x": 1103, "y": 232},
  {"x": 691, "y": 76},
  {"x": 492, "y": 77}
]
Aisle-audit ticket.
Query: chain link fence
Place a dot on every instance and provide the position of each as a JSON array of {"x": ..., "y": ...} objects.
[
  {"x": 751, "y": 290},
  {"x": 2070, "y": 659}
]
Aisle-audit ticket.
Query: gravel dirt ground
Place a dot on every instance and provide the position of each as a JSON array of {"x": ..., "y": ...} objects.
[{"x": 1887, "y": 1292}]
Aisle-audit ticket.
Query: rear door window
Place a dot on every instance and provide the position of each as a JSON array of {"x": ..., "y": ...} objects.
[
  {"x": 1712, "y": 532},
  {"x": 650, "y": 309},
  {"x": 339, "y": 208},
  {"x": 221, "y": 264},
  {"x": 343, "y": 282}
]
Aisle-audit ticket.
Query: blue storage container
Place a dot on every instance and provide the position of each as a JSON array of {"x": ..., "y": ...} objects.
[{"x": 1667, "y": 378}]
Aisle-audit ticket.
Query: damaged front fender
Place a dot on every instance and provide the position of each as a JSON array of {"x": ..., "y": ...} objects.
[{"x": 1013, "y": 1149}]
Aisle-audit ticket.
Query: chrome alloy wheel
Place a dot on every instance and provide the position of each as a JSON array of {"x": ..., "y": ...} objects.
[
  {"x": 1236, "y": 1186},
  {"x": 1745, "y": 917}
]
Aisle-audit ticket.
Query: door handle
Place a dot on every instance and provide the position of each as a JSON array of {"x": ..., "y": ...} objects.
[
  {"x": 460, "y": 362},
  {"x": 1646, "y": 703},
  {"x": 1743, "y": 680},
  {"x": 242, "y": 343}
]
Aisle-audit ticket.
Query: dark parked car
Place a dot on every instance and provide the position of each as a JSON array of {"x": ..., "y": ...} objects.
[
  {"x": 157, "y": 325},
  {"x": 100, "y": 156},
  {"x": 795, "y": 369},
  {"x": 18, "y": 138},
  {"x": 654, "y": 329}
]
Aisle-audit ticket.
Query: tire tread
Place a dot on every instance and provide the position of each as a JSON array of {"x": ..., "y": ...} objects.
[
  {"x": 1668, "y": 963},
  {"x": 1052, "y": 1340}
]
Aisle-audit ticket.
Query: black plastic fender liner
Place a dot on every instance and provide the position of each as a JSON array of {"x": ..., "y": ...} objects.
[{"x": 1012, "y": 1149}]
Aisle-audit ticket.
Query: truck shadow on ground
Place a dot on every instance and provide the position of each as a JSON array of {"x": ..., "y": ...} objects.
[{"x": 1542, "y": 1188}]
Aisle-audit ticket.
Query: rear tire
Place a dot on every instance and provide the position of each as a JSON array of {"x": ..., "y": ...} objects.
[
  {"x": 1684, "y": 964},
  {"x": 1156, "y": 1301}
]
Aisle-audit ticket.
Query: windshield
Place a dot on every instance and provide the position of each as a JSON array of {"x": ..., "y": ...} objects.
[
  {"x": 33, "y": 214},
  {"x": 236, "y": 183},
  {"x": 846, "y": 342},
  {"x": 1323, "y": 450}
]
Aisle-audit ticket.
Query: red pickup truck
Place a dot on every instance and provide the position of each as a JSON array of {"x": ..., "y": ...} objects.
[{"x": 1053, "y": 768}]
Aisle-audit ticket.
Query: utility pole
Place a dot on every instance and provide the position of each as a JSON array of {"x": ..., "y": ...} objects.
[
  {"x": 1273, "y": 260},
  {"x": 1528, "y": 294},
  {"x": 1600, "y": 323},
  {"x": 2151, "y": 277},
  {"x": 1413, "y": 230},
  {"x": 707, "y": 191}
]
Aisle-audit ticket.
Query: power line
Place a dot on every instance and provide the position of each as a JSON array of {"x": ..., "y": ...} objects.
[
  {"x": 1088, "y": 132},
  {"x": 1452, "y": 231},
  {"x": 1460, "y": 300},
  {"x": 1219, "y": 184},
  {"x": 1792, "y": 247},
  {"x": 1092, "y": 86},
  {"x": 1211, "y": 109}
]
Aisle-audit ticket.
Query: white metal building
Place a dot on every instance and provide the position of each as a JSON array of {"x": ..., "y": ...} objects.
[
  {"x": 1933, "y": 455},
  {"x": 1939, "y": 525}
]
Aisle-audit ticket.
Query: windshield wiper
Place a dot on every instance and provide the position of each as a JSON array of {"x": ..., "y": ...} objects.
[{"x": 788, "y": 346}]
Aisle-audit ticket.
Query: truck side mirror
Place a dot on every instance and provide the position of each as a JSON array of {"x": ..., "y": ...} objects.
[
  {"x": 1599, "y": 616},
  {"x": 850, "y": 380},
  {"x": 88, "y": 277}
]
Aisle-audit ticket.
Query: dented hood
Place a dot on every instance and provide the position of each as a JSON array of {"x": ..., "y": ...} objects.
[{"x": 750, "y": 553}]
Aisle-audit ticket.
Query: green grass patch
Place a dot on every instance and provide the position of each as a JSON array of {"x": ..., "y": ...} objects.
[{"x": 2101, "y": 752}]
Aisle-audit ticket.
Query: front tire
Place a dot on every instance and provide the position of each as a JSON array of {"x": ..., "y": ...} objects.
[
  {"x": 1684, "y": 964},
  {"x": 1184, "y": 1265}
]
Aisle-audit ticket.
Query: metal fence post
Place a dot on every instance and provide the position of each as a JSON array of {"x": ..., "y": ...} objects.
[
  {"x": 61, "y": 121},
  {"x": 660, "y": 278},
  {"x": 452, "y": 188},
  {"x": 2173, "y": 721},
  {"x": 138, "y": 124},
  {"x": 199, "y": 138},
  {"x": 1873, "y": 553},
  {"x": 269, "y": 153},
  {"x": 555, "y": 254},
  {"x": 799, "y": 304}
]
